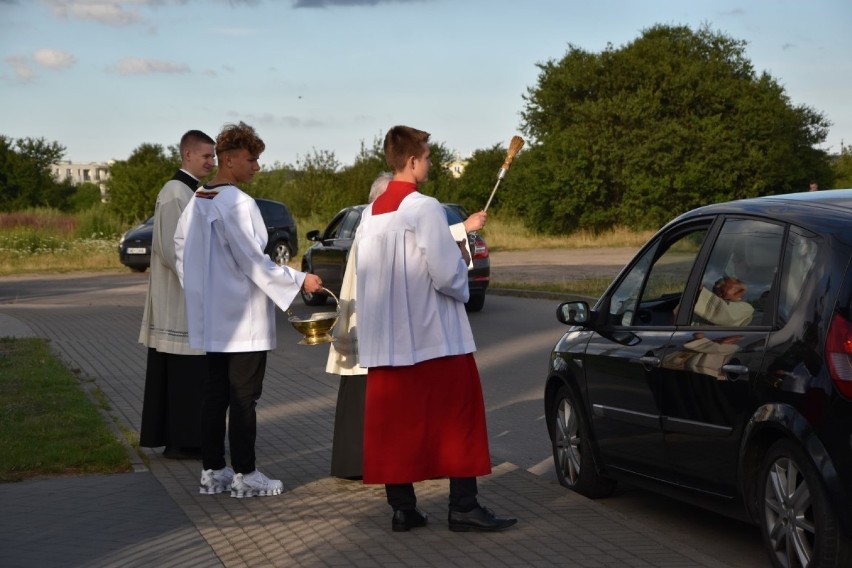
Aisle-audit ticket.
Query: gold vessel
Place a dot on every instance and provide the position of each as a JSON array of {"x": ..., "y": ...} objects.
[{"x": 316, "y": 328}]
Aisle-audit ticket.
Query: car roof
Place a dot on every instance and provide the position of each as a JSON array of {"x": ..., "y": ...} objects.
[{"x": 829, "y": 206}]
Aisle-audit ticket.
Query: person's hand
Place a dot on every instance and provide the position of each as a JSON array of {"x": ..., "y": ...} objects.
[
  {"x": 312, "y": 283},
  {"x": 464, "y": 253},
  {"x": 475, "y": 221}
]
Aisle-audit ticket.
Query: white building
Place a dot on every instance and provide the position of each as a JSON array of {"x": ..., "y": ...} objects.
[
  {"x": 77, "y": 173},
  {"x": 456, "y": 166}
]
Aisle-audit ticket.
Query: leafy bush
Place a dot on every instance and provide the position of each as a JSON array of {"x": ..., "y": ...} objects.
[
  {"x": 26, "y": 241},
  {"x": 98, "y": 222}
]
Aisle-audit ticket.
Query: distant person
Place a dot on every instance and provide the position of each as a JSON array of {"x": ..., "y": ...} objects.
[
  {"x": 813, "y": 185},
  {"x": 171, "y": 406},
  {"x": 347, "y": 447},
  {"x": 232, "y": 289},
  {"x": 424, "y": 416}
]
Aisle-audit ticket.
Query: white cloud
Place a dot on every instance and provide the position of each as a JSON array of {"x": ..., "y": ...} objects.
[
  {"x": 54, "y": 58},
  {"x": 139, "y": 66},
  {"x": 117, "y": 12},
  {"x": 112, "y": 12},
  {"x": 21, "y": 66}
]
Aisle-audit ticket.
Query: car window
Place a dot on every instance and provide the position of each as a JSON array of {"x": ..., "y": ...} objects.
[
  {"x": 333, "y": 228},
  {"x": 799, "y": 260},
  {"x": 739, "y": 275},
  {"x": 274, "y": 214},
  {"x": 651, "y": 292},
  {"x": 350, "y": 223}
]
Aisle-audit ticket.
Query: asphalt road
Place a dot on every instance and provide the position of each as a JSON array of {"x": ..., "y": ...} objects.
[{"x": 514, "y": 337}]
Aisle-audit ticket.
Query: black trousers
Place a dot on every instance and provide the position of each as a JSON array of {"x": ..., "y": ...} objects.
[
  {"x": 463, "y": 493},
  {"x": 235, "y": 382}
]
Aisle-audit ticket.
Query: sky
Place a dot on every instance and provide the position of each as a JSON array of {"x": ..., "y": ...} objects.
[{"x": 102, "y": 77}]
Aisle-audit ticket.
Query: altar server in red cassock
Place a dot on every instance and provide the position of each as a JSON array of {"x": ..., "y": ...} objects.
[{"x": 424, "y": 413}]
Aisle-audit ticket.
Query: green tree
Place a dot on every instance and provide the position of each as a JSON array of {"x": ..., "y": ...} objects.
[
  {"x": 26, "y": 179},
  {"x": 675, "y": 119},
  {"x": 842, "y": 168},
  {"x": 315, "y": 182},
  {"x": 474, "y": 187},
  {"x": 134, "y": 183},
  {"x": 441, "y": 184},
  {"x": 85, "y": 196},
  {"x": 356, "y": 180}
]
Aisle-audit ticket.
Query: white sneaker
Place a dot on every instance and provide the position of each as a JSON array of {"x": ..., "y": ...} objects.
[
  {"x": 216, "y": 480},
  {"x": 254, "y": 484}
]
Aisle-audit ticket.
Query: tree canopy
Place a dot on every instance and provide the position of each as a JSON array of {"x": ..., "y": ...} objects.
[
  {"x": 134, "y": 183},
  {"x": 675, "y": 119},
  {"x": 26, "y": 179}
]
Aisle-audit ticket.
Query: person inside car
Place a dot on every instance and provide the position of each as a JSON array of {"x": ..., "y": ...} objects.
[{"x": 724, "y": 305}]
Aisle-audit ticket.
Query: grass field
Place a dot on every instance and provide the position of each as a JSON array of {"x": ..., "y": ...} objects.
[{"x": 48, "y": 426}]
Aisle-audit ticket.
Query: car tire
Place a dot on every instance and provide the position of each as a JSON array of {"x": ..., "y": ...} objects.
[
  {"x": 475, "y": 302},
  {"x": 138, "y": 268},
  {"x": 798, "y": 525},
  {"x": 572, "y": 448},
  {"x": 310, "y": 299},
  {"x": 281, "y": 254}
]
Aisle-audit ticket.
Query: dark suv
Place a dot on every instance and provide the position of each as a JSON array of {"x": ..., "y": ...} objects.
[
  {"x": 327, "y": 256},
  {"x": 717, "y": 367},
  {"x": 134, "y": 249}
]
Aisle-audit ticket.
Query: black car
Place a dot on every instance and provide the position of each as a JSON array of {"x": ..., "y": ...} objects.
[
  {"x": 717, "y": 368},
  {"x": 327, "y": 256},
  {"x": 134, "y": 249}
]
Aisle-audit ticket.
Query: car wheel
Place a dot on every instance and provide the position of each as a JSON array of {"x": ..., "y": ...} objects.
[
  {"x": 313, "y": 299},
  {"x": 572, "y": 451},
  {"x": 138, "y": 268},
  {"x": 281, "y": 253},
  {"x": 799, "y": 526}
]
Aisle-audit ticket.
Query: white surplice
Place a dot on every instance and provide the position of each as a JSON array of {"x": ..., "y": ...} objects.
[
  {"x": 411, "y": 286},
  {"x": 343, "y": 351},
  {"x": 231, "y": 285}
]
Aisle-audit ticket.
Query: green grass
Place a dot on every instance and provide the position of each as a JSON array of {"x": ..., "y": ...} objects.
[
  {"x": 586, "y": 287},
  {"x": 48, "y": 426},
  {"x": 42, "y": 240}
]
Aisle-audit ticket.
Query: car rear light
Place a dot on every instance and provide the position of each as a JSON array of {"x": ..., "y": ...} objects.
[
  {"x": 480, "y": 249},
  {"x": 838, "y": 354}
]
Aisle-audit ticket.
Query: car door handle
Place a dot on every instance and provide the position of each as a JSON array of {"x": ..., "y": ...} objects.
[
  {"x": 649, "y": 361},
  {"x": 735, "y": 369}
]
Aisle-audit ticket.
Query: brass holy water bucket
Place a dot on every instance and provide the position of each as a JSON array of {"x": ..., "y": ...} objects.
[{"x": 316, "y": 328}]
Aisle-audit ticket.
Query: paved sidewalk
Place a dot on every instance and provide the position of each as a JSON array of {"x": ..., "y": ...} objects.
[{"x": 156, "y": 517}]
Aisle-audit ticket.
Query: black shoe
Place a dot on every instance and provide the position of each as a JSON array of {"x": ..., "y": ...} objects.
[
  {"x": 479, "y": 519},
  {"x": 407, "y": 519},
  {"x": 173, "y": 453}
]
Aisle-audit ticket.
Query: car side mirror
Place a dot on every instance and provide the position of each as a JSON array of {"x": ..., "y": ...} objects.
[
  {"x": 313, "y": 235},
  {"x": 573, "y": 313}
]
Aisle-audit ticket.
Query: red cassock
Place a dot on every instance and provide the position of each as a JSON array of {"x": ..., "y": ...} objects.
[{"x": 426, "y": 420}]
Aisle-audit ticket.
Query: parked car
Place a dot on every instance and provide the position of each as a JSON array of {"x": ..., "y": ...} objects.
[
  {"x": 134, "y": 249},
  {"x": 327, "y": 256},
  {"x": 742, "y": 405}
]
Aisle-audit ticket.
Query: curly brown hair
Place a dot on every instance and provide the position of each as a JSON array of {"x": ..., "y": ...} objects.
[
  {"x": 403, "y": 142},
  {"x": 239, "y": 137}
]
